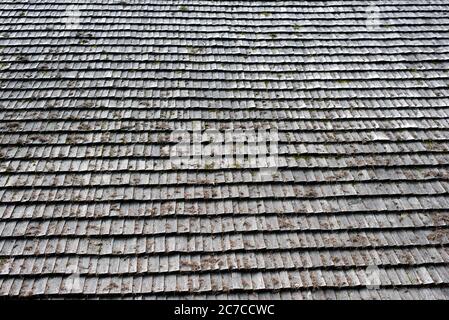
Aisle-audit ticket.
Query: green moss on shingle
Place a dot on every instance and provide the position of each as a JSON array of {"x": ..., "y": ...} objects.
[
  {"x": 298, "y": 157},
  {"x": 209, "y": 166}
]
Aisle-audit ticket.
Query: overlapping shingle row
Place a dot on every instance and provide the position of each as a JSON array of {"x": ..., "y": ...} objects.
[{"x": 92, "y": 205}]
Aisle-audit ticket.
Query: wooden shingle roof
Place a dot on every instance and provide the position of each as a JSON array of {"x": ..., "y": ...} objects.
[{"x": 91, "y": 204}]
